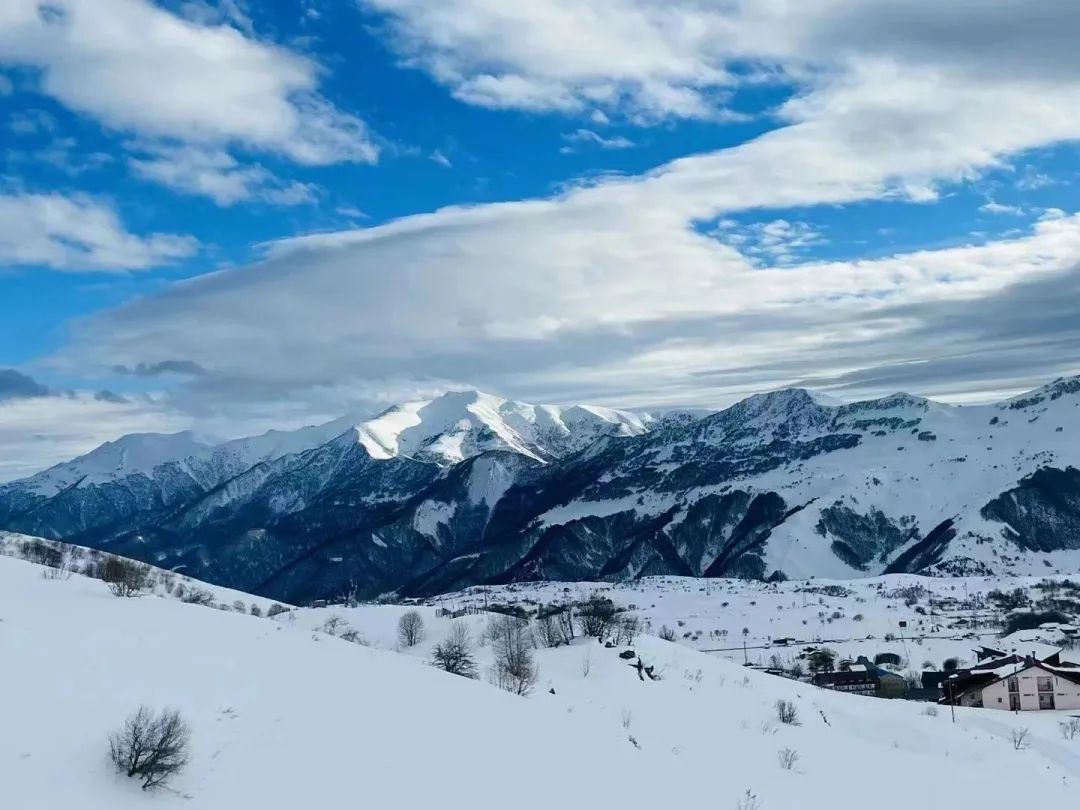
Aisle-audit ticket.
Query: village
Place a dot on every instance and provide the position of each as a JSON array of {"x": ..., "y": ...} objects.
[{"x": 1008, "y": 643}]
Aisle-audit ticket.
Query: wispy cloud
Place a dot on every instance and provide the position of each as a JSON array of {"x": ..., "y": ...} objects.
[{"x": 586, "y": 137}]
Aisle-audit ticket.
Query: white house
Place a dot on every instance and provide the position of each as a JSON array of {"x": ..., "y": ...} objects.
[{"x": 1029, "y": 685}]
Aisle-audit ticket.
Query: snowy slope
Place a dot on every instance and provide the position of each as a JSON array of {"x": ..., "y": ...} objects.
[{"x": 285, "y": 717}]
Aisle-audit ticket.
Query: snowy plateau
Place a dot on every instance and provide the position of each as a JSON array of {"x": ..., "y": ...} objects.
[
  {"x": 321, "y": 707},
  {"x": 468, "y": 489}
]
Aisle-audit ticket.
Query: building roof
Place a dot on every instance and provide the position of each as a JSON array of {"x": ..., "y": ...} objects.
[{"x": 980, "y": 679}]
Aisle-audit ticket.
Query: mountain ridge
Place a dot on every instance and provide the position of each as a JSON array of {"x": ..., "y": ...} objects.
[{"x": 471, "y": 489}]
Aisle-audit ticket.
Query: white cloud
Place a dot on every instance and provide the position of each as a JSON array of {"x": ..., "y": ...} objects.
[
  {"x": 79, "y": 234},
  {"x": 611, "y": 290},
  {"x": 581, "y": 137},
  {"x": 992, "y": 207},
  {"x": 216, "y": 174},
  {"x": 109, "y": 59},
  {"x": 680, "y": 58},
  {"x": 193, "y": 81},
  {"x": 777, "y": 240},
  {"x": 564, "y": 55},
  {"x": 439, "y": 157}
]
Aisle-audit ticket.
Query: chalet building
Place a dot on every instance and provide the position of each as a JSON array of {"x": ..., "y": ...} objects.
[
  {"x": 863, "y": 678},
  {"x": 1016, "y": 684}
]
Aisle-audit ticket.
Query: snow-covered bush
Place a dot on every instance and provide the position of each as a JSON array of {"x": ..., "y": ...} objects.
[
  {"x": 454, "y": 654},
  {"x": 124, "y": 577}
]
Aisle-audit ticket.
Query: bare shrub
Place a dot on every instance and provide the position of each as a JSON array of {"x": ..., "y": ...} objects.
[
  {"x": 627, "y": 716},
  {"x": 1070, "y": 729},
  {"x": 150, "y": 746},
  {"x": 124, "y": 577},
  {"x": 666, "y": 633},
  {"x": 63, "y": 569},
  {"x": 748, "y": 801},
  {"x": 275, "y": 609},
  {"x": 197, "y": 596},
  {"x": 239, "y": 606},
  {"x": 787, "y": 713},
  {"x": 931, "y": 711},
  {"x": 787, "y": 757},
  {"x": 410, "y": 629},
  {"x": 255, "y": 610},
  {"x": 514, "y": 669},
  {"x": 333, "y": 625},
  {"x": 454, "y": 654},
  {"x": 1020, "y": 739},
  {"x": 586, "y": 664}
]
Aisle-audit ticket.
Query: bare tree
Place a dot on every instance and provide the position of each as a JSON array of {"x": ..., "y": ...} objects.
[
  {"x": 597, "y": 615},
  {"x": 410, "y": 629},
  {"x": 124, "y": 577},
  {"x": 150, "y": 746},
  {"x": 549, "y": 630},
  {"x": 514, "y": 669},
  {"x": 454, "y": 654},
  {"x": 626, "y": 629},
  {"x": 566, "y": 624}
]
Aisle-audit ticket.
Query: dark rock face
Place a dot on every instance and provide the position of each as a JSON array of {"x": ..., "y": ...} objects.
[
  {"x": 925, "y": 552},
  {"x": 861, "y": 539},
  {"x": 1042, "y": 512}
]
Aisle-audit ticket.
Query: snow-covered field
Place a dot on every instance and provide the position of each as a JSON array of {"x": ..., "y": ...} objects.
[{"x": 286, "y": 716}]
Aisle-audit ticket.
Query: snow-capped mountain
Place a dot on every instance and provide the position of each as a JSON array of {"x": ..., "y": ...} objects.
[
  {"x": 146, "y": 473},
  {"x": 462, "y": 424},
  {"x": 469, "y": 488}
]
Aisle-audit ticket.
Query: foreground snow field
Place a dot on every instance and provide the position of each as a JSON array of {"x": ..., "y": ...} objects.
[{"x": 285, "y": 716}]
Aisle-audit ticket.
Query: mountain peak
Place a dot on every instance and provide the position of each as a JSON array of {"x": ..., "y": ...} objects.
[{"x": 460, "y": 424}]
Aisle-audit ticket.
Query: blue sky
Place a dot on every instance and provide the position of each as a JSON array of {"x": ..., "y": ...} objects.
[{"x": 233, "y": 215}]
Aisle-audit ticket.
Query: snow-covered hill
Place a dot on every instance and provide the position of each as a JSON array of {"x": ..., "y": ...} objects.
[
  {"x": 285, "y": 716},
  {"x": 435, "y": 496}
]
